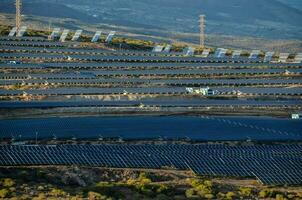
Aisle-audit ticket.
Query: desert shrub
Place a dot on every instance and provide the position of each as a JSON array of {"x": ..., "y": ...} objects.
[
  {"x": 4, "y": 193},
  {"x": 245, "y": 192},
  {"x": 230, "y": 195},
  {"x": 57, "y": 192},
  {"x": 190, "y": 193},
  {"x": 7, "y": 182}
]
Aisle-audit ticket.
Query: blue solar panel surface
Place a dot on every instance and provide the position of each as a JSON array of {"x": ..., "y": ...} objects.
[{"x": 271, "y": 164}]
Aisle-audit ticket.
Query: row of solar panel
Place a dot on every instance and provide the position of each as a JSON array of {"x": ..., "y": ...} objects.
[
  {"x": 17, "y": 46},
  {"x": 136, "y": 73},
  {"x": 282, "y": 150},
  {"x": 219, "y": 53},
  {"x": 264, "y": 162},
  {"x": 56, "y": 33},
  {"x": 167, "y": 103},
  {"x": 35, "y": 80},
  {"x": 10, "y": 46},
  {"x": 150, "y": 90},
  {"x": 124, "y": 58},
  {"x": 144, "y": 65}
]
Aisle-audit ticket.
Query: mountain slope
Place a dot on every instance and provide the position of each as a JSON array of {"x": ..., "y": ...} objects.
[
  {"x": 260, "y": 18},
  {"x": 47, "y": 9}
]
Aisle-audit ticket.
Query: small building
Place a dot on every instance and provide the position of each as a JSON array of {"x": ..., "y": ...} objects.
[
  {"x": 296, "y": 116},
  {"x": 202, "y": 91}
]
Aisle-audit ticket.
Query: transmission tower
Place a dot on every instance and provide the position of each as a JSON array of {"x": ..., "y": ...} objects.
[
  {"x": 18, "y": 14},
  {"x": 202, "y": 30}
]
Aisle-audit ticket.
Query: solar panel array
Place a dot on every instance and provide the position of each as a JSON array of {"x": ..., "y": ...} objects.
[
  {"x": 298, "y": 58},
  {"x": 236, "y": 54},
  {"x": 54, "y": 34},
  {"x": 110, "y": 36},
  {"x": 12, "y": 32},
  {"x": 271, "y": 164},
  {"x": 220, "y": 53},
  {"x": 152, "y": 103},
  {"x": 64, "y": 35},
  {"x": 77, "y": 35},
  {"x": 167, "y": 49},
  {"x": 283, "y": 57},
  {"x": 189, "y": 51},
  {"x": 254, "y": 54},
  {"x": 268, "y": 56},
  {"x": 22, "y": 31},
  {"x": 158, "y": 48},
  {"x": 96, "y": 36},
  {"x": 205, "y": 53}
]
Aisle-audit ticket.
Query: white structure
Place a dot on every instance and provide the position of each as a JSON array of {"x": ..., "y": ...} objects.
[
  {"x": 64, "y": 35},
  {"x": 283, "y": 57},
  {"x": 236, "y": 54},
  {"x": 298, "y": 58},
  {"x": 110, "y": 36},
  {"x": 96, "y": 36},
  {"x": 202, "y": 91},
  {"x": 167, "y": 48},
  {"x": 22, "y": 31},
  {"x": 220, "y": 53},
  {"x": 189, "y": 51},
  {"x": 254, "y": 54},
  {"x": 158, "y": 48},
  {"x": 205, "y": 53},
  {"x": 54, "y": 34},
  {"x": 296, "y": 116},
  {"x": 77, "y": 35},
  {"x": 12, "y": 32},
  {"x": 268, "y": 56}
]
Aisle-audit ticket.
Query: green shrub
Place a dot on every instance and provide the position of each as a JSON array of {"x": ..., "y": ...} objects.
[
  {"x": 230, "y": 195},
  {"x": 57, "y": 192},
  {"x": 7, "y": 182},
  {"x": 190, "y": 193},
  {"x": 209, "y": 196},
  {"x": 280, "y": 197},
  {"x": 143, "y": 178},
  {"x": 267, "y": 193},
  {"x": 162, "y": 189},
  {"x": 4, "y": 193},
  {"x": 245, "y": 192}
]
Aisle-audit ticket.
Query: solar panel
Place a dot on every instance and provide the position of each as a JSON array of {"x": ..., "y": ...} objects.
[
  {"x": 158, "y": 48},
  {"x": 110, "y": 36},
  {"x": 220, "y": 53},
  {"x": 12, "y": 32},
  {"x": 298, "y": 58},
  {"x": 54, "y": 34},
  {"x": 283, "y": 57},
  {"x": 64, "y": 35},
  {"x": 205, "y": 53},
  {"x": 77, "y": 35},
  {"x": 96, "y": 36},
  {"x": 268, "y": 56},
  {"x": 271, "y": 164},
  {"x": 22, "y": 31},
  {"x": 236, "y": 54},
  {"x": 189, "y": 51},
  {"x": 254, "y": 54},
  {"x": 167, "y": 48}
]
